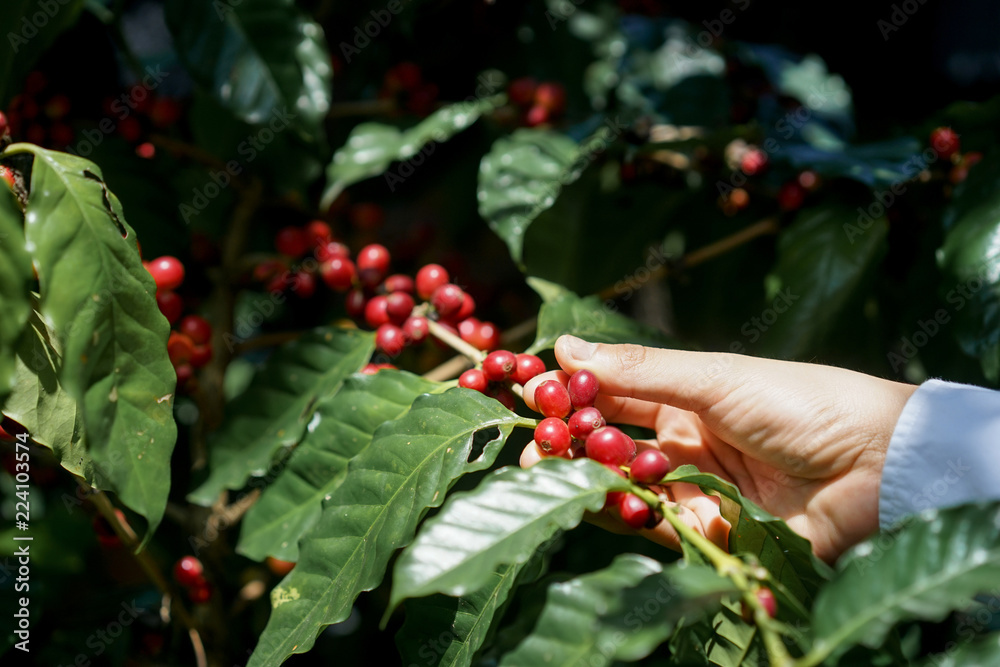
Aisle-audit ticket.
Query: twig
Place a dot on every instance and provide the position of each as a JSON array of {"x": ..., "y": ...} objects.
[
  {"x": 474, "y": 354},
  {"x": 449, "y": 369}
]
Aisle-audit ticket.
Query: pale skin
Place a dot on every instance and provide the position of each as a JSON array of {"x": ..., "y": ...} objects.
[{"x": 805, "y": 442}]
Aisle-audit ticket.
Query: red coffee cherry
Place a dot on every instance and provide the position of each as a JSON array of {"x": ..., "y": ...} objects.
[
  {"x": 201, "y": 355},
  {"x": 303, "y": 284},
  {"x": 504, "y": 395},
  {"x": 474, "y": 379},
  {"x": 188, "y": 571},
  {"x": 327, "y": 250},
  {"x": 754, "y": 161},
  {"x": 398, "y": 282},
  {"x": 200, "y": 594},
  {"x": 390, "y": 339},
  {"x": 373, "y": 264},
  {"x": 610, "y": 445},
  {"x": 945, "y": 141},
  {"x": 522, "y": 91},
  {"x": 196, "y": 328},
  {"x": 416, "y": 329},
  {"x": 184, "y": 372},
  {"x": 498, "y": 366},
  {"x": 179, "y": 348},
  {"x": 528, "y": 366},
  {"x": 552, "y": 436},
  {"x": 583, "y": 387},
  {"x": 551, "y": 96},
  {"x": 377, "y": 311},
  {"x": 467, "y": 309},
  {"x": 584, "y": 422},
  {"x": 170, "y": 304},
  {"x": 791, "y": 196},
  {"x": 766, "y": 599},
  {"x": 536, "y": 116},
  {"x": 649, "y": 466},
  {"x": 634, "y": 510},
  {"x": 399, "y": 305},
  {"x": 278, "y": 566},
  {"x": 338, "y": 273},
  {"x": 318, "y": 233},
  {"x": 167, "y": 272},
  {"x": 613, "y": 497},
  {"x": 429, "y": 278},
  {"x": 292, "y": 241},
  {"x": 552, "y": 399},
  {"x": 355, "y": 304},
  {"x": 447, "y": 300}
]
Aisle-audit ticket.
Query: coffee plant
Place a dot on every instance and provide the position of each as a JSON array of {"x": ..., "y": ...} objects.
[{"x": 274, "y": 275}]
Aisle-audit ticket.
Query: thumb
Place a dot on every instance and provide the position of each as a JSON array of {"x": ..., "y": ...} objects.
[{"x": 692, "y": 381}]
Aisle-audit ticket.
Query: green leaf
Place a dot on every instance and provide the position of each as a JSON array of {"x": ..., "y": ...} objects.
[
  {"x": 274, "y": 411},
  {"x": 786, "y": 554},
  {"x": 983, "y": 653},
  {"x": 341, "y": 427},
  {"x": 41, "y": 405},
  {"x": 622, "y": 612},
  {"x": 824, "y": 258},
  {"x": 466, "y": 621},
  {"x": 263, "y": 59},
  {"x": 934, "y": 565},
  {"x": 724, "y": 639},
  {"x": 970, "y": 260},
  {"x": 521, "y": 177},
  {"x": 594, "y": 320},
  {"x": 372, "y": 147},
  {"x": 99, "y": 300},
  {"x": 504, "y": 520},
  {"x": 15, "y": 282},
  {"x": 408, "y": 468},
  {"x": 26, "y": 37}
]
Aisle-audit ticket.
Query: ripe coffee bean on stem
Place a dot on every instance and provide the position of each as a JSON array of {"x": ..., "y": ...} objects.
[
  {"x": 552, "y": 436},
  {"x": 355, "y": 304},
  {"x": 528, "y": 366},
  {"x": 318, "y": 233},
  {"x": 201, "y": 355},
  {"x": 179, "y": 348},
  {"x": 197, "y": 329},
  {"x": 170, "y": 304},
  {"x": 766, "y": 599},
  {"x": 338, "y": 273},
  {"x": 377, "y": 311},
  {"x": 398, "y": 282},
  {"x": 327, "y": 250},
  {"x": 613, "y": 497},
  {"x": 649, "y": 466},
  {"x": 481, "y": 335},
  {"x": 634, "y": 510},
  {"x": 499, "y": 365},
  {"x": 390, "y": 339},
  {"x": 188, "y": 571},
  {"x": 474, "y": 379},
  {"x": 373, "y": 264},
  {"x": 447, "y": 299},
  {"x": 584, "y": 422},
  {"x": 502, "y": 394},
  {"x": 552, "y": 399},
  {"x": 200, "y": 594},
  {"x": 399, "y": 305},
  {"x": 429, "y": 278},
  {"x": 167, "y": 272},
  {"x": 583, "y": 387},
  {"x": 292, "y": 241},
  {"x": 467, "y": 309},
  {"x": 945, "y": 141},
  {"x": 416, "y": 329},
  {"x": 610, "y": 445}
]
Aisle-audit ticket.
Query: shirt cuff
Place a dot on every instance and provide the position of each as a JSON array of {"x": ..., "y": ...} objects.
[{"x": 944, "y": 451}]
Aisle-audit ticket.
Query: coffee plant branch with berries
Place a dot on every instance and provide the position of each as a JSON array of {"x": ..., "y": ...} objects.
[{"x": 281, "y": 294}]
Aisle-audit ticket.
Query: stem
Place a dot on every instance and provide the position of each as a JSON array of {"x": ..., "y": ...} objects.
[
  {"x": 732, "y": 567},
  {"x": 474, "y": 354}
]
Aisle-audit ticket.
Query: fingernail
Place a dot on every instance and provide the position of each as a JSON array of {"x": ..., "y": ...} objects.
[{"x": 578, "y": 349}]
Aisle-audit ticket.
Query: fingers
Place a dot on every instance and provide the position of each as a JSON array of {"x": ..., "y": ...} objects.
[{"x": 689, "y": 380}]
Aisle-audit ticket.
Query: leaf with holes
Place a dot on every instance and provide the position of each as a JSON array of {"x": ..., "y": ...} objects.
[
  {"x": 264, "y": 60},
  {"x": 274, "y": 410},
  {"x": 341, "y": 427},
  {"x": 408, "y": 468},
  {"x": 99, "y": 300}
]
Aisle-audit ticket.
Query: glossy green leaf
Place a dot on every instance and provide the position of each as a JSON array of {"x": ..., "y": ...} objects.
[
  {"x": 970, "y": 260},
  {"x": 724, "y": 639},
  {"x": 341, "y": 427},
  {"x": 786, "y": 554},
  {"x": 26, "y": 36},
  {"x": 980, "y": 653},
  {"x": 824, "y": 258},
  {"x": 935, "y": 564},
  {"x": 449, "y": 630},
  {"x": 99, "y": 300},
  {"x": 594, "y": 320},
  {"x": 373, "y": 147},
  {"x": 274, "y": 411},
  {"x": 504, "y": 520},
  {"x": 41, "y": 405},
  {"x": 264, "y": 60},
  {"x": 15, "y": 282},
  {"x": 622, "y": 612},
  {"x": 521, "y": 177},
  {"x": 408, "y": 468}
]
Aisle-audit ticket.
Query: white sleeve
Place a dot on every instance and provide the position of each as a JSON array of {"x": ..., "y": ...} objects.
[{"x": 944, "y": 451}]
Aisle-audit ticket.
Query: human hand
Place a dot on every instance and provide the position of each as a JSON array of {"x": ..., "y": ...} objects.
[{"x": 806, "y": 442}]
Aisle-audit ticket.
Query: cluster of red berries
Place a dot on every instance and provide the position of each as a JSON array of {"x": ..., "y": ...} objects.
[
  {"x": 190, "y": 573},
  {"x": 405, "y": 84},
  {"x": 948, "y": 146},
  {"x": 537, "y": 103},
  {"x": 39, "y": 115},
  {"x": 189, "y": 347},
  {"x": 499, "y": 370},
  {"x": 574, "y": 427}
]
